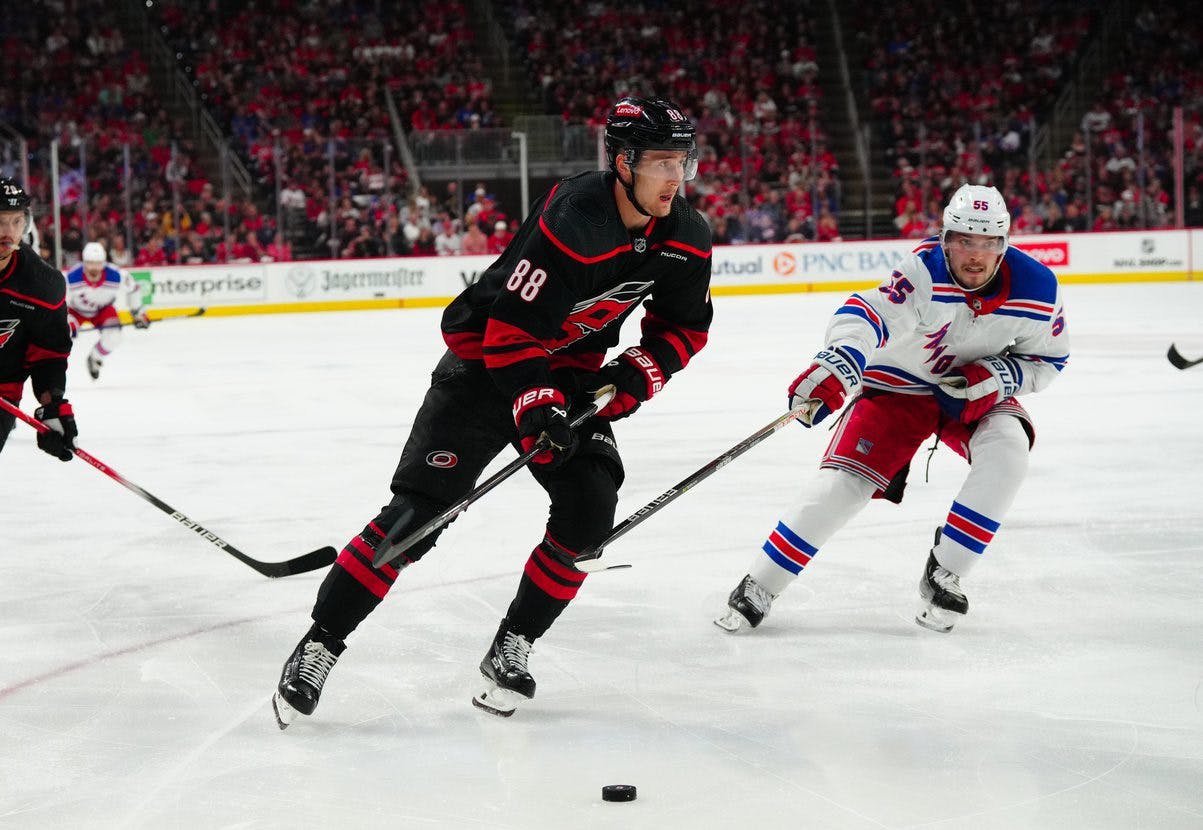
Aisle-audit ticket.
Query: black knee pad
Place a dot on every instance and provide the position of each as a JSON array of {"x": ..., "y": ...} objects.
[
  {"x": 407, "y": 512},
  {"x": 583, "y": 503}
]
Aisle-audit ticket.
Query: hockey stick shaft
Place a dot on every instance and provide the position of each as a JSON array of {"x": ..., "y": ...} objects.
[
  {"x": 389, "y": 551},
  {"x": 319, "y": 558},
  {"x": 1180, "y": 362},
  {"x": 588, "y": 560},
  {"x": 199, "y": 312}
]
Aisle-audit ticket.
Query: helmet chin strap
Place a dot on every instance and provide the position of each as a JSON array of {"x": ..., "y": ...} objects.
[{"x": 630, "y": 189}]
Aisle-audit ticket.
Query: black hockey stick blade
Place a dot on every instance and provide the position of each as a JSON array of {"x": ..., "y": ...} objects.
[
  {"x": 390, "y": 550},
  {"x": 1178, "y": 361},
  {"x": 312, "y": 561},
  {"x": 588, "y": 561}
]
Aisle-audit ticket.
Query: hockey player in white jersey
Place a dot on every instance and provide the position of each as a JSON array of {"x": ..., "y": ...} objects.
[
  {"x": 943, "y": 347},
  {"x": 93, "y": 287}
]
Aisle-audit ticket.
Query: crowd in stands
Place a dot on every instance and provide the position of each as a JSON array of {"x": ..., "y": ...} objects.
[
  {"x": 71, "y": 77},
  {"x": 942, "y": 118},
  {"x": 953, "y": 93},
  {"x": 1130, "y": 126},
  {"x": 301, "y": 88},
  {"x": 746, "y": 73}
]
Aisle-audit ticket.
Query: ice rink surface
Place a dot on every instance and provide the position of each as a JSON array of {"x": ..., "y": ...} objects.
[{"x": 137, "y": 661}]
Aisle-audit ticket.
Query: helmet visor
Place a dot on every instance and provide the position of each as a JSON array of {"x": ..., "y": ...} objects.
[
  {"x": 969, "y": 243},
  {"x": 668, "y": 165}
]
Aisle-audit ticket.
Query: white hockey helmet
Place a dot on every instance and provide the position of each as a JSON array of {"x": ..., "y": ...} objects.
[
  {"x": 975, "y": 208},
  {"x": 94, "y": 252}
]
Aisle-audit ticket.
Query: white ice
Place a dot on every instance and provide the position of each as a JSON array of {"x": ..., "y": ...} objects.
[{"x": 137, "y": 661}]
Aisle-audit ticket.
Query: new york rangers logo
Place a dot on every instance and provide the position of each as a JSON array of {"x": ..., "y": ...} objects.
[{"x": 7, "y": 329}]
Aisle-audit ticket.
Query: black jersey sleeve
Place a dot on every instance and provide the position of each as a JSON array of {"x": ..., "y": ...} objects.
[
  {"x": 50, "y": 337},
  {"x": 677, "y": 316}
]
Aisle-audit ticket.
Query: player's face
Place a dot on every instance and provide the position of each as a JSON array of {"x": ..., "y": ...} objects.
[
  {"x": 658, "y": 177},
  {"x": 12, "y": 228},
  {"x": 973, "y": 257},
  {"x": 93, "y": 270}
]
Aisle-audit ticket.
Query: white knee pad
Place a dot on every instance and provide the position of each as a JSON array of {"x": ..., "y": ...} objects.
[
  {"x": 999, "y": 451},
  {"x": 999, "y": 463}
]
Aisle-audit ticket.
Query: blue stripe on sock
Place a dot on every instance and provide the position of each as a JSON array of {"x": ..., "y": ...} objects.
[
  {"x": 796, "y": 540},
  {"x": 963, "y": 539},
  {"x": 975, "y": 517}
]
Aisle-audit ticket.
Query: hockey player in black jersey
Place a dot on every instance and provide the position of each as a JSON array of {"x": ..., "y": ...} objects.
[
  {"x": 34, "y": 336},
  {"x": 527, "y": 343}
]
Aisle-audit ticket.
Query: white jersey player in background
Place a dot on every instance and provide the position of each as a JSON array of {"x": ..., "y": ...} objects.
[
  {"x": 942, "y": 347},
  {"x": 93, "y": 287}
]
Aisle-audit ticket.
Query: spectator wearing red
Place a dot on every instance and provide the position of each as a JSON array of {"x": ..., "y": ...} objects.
[
  {"x": 1028, "y": 221},
  {"x": 152, "y": 252},
  {"x": 278, "y": 250},
  {"x": 499, "y": 238}
]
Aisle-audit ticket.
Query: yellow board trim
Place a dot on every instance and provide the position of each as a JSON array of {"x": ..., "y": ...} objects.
[{"x": 717, "y": 290}]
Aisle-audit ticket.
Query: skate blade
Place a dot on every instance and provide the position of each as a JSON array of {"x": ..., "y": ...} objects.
[
  {"x": 284, "y": 713},
  {"x": 497, "y": 701},
  {"x": 936, "y": 619},
  {"x": 732, "y": 622}
]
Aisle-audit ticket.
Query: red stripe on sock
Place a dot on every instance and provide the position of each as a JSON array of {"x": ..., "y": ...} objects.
[
  {"x": 970, "y": 529},
  {"x": 366, "y": 551},
  {"x": 362, "y": 573},
  {"x": 546, "y": 584}
]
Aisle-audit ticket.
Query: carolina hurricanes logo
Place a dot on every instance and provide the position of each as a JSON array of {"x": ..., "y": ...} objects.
[
  {"x": 7, "y": 329},
  {"x": 594, "y": 314},
  {"x": 442, "y": 459}
]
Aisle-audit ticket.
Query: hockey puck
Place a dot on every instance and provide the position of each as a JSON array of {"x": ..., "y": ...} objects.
[{"x": 618, "y": 792}]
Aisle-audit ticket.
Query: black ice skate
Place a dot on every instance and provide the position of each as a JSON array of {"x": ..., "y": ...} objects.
[
  {"x": 943, "y": 600},
  {"x": 94, "y": 364},
  {"x": 747, "y": 606},
  {"x": 504, "y": 667},
  {"x": 304, "y": 674}
]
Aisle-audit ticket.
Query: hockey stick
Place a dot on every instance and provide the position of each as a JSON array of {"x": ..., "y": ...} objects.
[
  {"x": 200, "y": 312},
  {"x": 319, "y": 558},
  {"x": 1179, "y": 361},
  {"x": 588, "y": 561},
  {"x": 389, "y": 550}
]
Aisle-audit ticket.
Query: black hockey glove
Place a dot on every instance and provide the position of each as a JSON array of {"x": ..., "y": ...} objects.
[
  {"x": 543, "y": 412},
  {"x": 59, "y": 439},
  {"x": 141, "y": 321},
  {"x": 635, "y": 375}
]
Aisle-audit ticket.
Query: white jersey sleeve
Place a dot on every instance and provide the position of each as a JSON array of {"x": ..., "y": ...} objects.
[{"x": 132, "y": 289}]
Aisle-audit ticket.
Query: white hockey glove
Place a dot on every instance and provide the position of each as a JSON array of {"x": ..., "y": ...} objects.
[{"x": 824, "y": 385}]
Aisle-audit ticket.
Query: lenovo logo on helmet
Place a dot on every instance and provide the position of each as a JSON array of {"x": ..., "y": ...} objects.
[{"x": 628, "y": 109}]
